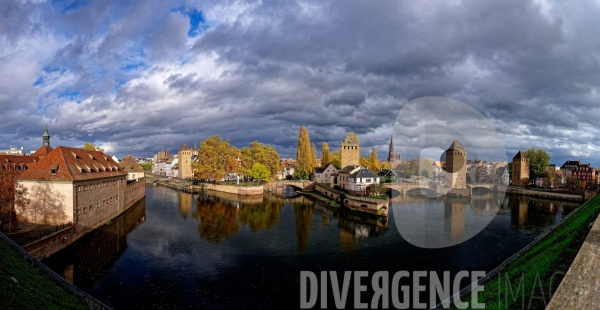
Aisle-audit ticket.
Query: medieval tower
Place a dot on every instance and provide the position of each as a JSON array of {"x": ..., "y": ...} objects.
[
  {"x": 520, "y": 169},
  {"x": 456, "y": 166},
  {"x": 350, "y": 150},
  {"x": 185, "y": 162}
]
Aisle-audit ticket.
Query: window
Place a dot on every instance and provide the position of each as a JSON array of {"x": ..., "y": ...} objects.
[
  {"x": 79, "y": 188},
  {"x": 84, "y": 209},
  {"x": 90, "y": 208},
  {"x": 53, "y": 171},
  {"x": 78, "y": 212},
  {"x": 84, "y": 188}
]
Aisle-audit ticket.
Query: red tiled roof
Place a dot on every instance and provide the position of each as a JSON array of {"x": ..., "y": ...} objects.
[
  {"x": 43, "y": 151},
  {"x": 130, "y": 165},
  {"x": 73, "y": 164},
  {"x": 17, "y": 162}
]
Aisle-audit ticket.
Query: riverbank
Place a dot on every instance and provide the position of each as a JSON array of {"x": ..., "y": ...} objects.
[
  {"x": 25, "y": 283},
  {"x": 543, "y": 194},
  {"x": 541, "y": 265}
]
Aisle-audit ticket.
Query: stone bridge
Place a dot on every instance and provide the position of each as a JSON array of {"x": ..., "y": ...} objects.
[
  {"x": 297, "y": 184},
  {"x": 426, "y": 187}
]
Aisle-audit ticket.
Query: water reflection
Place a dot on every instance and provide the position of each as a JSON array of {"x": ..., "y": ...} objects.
[
  {"x": 88, "y": 260},
  {"x": 192, "y": 248},
  {"x": 217, "y": 219},
  {"x": 529, "y": 214}
]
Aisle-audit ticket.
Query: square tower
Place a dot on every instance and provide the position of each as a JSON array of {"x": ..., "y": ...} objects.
[
  {"x": 456, "y": 166},
  {"x": 185, "y": 162},
  {"x": 350, "y": 150},
  {"x": 520, "y": 169}
]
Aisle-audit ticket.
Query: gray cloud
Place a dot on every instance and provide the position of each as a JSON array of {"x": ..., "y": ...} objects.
[{"x": 129, "y": 76}]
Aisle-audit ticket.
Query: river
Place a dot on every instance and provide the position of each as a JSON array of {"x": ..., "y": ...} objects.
[{"x": 173, "y": 250}]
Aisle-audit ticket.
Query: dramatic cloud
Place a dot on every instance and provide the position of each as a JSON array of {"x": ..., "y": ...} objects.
[{"x": 141, "y": 75}]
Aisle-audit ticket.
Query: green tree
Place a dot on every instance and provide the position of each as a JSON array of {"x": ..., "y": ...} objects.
[
  {"x": 304, "y": 157},
  {"x": 538, "y": 161},
  {"x": 336, "y": 159},
  {"x": 257, "y": 152},
  {"x": 325, "y": 155},
  {"x": 146, "y": 166},
  {"x": 216, "y": 158},
  {"x": 92, "y": 147},
  {"x": 259, "y": 172},
  {"x": 509, "y": 167}
]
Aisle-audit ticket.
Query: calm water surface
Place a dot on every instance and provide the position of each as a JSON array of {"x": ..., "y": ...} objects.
[{"x": 173, "y": 250}]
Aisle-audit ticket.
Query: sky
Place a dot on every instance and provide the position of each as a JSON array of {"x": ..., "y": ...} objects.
[{"x": 137, "y": 76}]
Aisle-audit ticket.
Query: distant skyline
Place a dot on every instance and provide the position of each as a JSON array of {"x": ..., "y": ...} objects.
[{"x": 139, "y": 76}]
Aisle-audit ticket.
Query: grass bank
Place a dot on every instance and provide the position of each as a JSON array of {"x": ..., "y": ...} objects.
[
  {"x": 549, "y": 260},
  {"x": 22, "y": 286}
]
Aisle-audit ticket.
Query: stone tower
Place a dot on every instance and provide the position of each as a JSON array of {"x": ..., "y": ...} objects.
[
  {"x": 46, "y": 137},
  {"x": 520, "y": 169},
  {"x": 456, "y": 166},
  {"x": 185, "y": 162},
  {"x": 350, "y": 150}
]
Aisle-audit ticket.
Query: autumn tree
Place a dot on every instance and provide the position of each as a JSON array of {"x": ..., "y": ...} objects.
[
  {"x": 325, "y": 155},
  {"x": 336, "y": 159},
  {"x": 364, "y": 161},
  {"x": 216, "y": 158},
  {"x": 92, "y": 147},
  {"x": 374, "y": 161},
  {"x": 13, "y": 199},
  {"x": 538, "y": 161},
  {"x": 257, "y": 152},
  {"x": 313, "y": 151},
  {"x": 386, "y": 165},
  {"x": 259, "y": 172},
  {"x": 304, "y": 157}
]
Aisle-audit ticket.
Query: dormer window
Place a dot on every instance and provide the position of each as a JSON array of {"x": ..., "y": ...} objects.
[
  {"x": 75, "y": 155},
  {"x": 92, "y": 157},
  {"x": 53, "y": 169}
]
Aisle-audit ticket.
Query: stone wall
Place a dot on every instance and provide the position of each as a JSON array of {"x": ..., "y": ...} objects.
[
  {"x": 232, "y": 189},
  {"x": 98, "y": 216},
  {"x": 327, "y": 192},
  {"x": 368, "y": 205},
  {"x": 544, "y": 194}
]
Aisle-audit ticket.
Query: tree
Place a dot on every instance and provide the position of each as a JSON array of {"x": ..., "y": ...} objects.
[
  {"x": 509, "y": 167},
  {"x": 304, "y": 157},
  {"x": 386, "y": 166},
  {"x": 325, "y": 155},
  {"x": 336, "y": 159},
  {"x": 146, "y": 166},
  {"x": 374, "y": 161},
  {"x": 313, "y": 158},
  {"x": 376, "y": 189},
  {"x": 257, "y": 152},
  {"x": 92, "y": 147},
  {"x": 216, "y": 158},
  {"x": 13, "y": 199},
  {"x": 259, "y": 172},
  {"x": 538, "y": 161}
]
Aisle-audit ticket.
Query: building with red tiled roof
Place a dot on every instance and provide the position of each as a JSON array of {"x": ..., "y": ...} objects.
[
  {"x": 133, "y": 169},
  {"x": 74, "y": 185}
]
